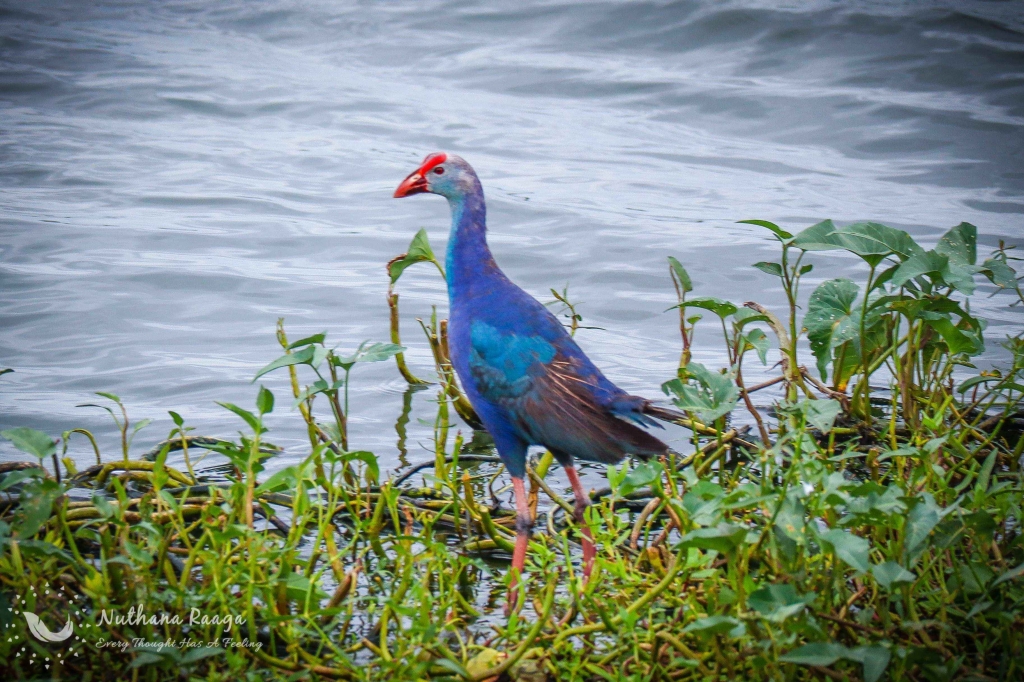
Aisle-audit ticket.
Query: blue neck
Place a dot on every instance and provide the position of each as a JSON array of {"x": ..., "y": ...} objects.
[{"x": 468, "y": 260}]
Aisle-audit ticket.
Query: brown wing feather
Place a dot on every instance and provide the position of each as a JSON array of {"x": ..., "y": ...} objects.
[{"x": 562, "y": 414}]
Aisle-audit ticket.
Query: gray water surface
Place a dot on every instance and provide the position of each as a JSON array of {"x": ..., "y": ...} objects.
[{"x": 175, "y": 176}]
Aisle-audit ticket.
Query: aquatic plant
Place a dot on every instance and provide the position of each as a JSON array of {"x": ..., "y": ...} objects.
[{"x": 866, "y": 526}]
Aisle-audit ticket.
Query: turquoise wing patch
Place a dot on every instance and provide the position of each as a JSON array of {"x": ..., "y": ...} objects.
[{"x": 501, "y": 362}]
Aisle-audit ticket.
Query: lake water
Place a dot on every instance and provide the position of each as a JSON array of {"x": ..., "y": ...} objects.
[{"x": 175, "y": 176}]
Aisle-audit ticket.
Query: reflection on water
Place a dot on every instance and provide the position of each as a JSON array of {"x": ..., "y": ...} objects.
[{"x": 176, "y": 176}]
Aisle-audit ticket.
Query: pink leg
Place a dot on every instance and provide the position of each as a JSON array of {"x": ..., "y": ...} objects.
[
  {"x": 582, "y": 502},
  {"x": 523, "y": 523}
]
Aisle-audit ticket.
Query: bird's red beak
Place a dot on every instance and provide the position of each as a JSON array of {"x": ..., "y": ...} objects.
[{"x": 416, "y": 183}]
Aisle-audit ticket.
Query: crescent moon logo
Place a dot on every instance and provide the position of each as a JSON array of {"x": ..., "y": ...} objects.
[{"x": 39, "y": 630}]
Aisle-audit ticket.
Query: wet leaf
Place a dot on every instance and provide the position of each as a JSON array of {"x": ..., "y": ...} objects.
[
  {"x": 960, "y": 244},
  {"x": 834, "y": 318}
]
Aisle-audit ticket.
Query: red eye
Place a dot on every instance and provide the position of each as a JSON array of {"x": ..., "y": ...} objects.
[{"x": 439, "y": 170}]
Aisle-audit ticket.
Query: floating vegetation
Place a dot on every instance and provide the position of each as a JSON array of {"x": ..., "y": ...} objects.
[{"x": 865, "y": 527}]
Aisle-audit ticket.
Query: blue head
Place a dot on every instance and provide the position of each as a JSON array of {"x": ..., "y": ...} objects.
[{"x": 444, "y": 174}]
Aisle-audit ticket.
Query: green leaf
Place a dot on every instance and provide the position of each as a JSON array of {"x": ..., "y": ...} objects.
[
  {"x": 36, "y": 507},
  {"x": 921, "y": 520},
  {"x": 302, "y": 357},
  {"x": 773, "y": 269},
  {"x": 832, "y": 319},
  {"x": 716, "y": 625},
  {"x": 821, "y": 414},
  {"x": 999, "y": 273},
  {"x": 298, "y": 585},
  {"x": 15, "y": 477},
  {"x": 264, "y": 401},
  {"x": 941, "y": 268},
  {"x": 758, "y": 341},
  {"x": 370, "y": 460},
  {"x": 374, "y": 352},
  {"x": 818, "y": 237},
  {"x": 285, "y": 479},
  {"x": 145, "y": 658},
  {"x": 875, "y": 660},
  {"x": 451, "y": 666},
  {"x": 176, "y": 418},
  {"x": 776, "y": 230},
  {"x": 850, "y": 548},
  {"x": 778, "y": 602},
  {"x": 248, "y": 416},
  {"x": 109, "y": 396},
  {"x": 308, "y": 341},
  {"x": 378, "y": 352},
  {"x": 816, "y": 653},
  {"x": 957, "y": 340},
  {"x": 199, "y": 653},
  {"x": 43, "y": 549},
  {"x": 724, "y": 538},
  {"x": 1011, "y": 574},
  {"x": 890, "y": 573},
  {"x": 716, "y": 305},
  {"x": 640, "y": 477},
  {"x": 31, "y": 441},
  {"x": 874, "y": 242},
  {"x": 142, "y": 557},
  {"x": 419, "y": 251},
  {"x": 714, "y": 396},
  {"x": 681, "y": 275},
  {"x": 960, "y": 244}
]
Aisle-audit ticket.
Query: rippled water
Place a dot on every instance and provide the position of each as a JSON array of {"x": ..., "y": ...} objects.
[{"x": 176, "y": 176}]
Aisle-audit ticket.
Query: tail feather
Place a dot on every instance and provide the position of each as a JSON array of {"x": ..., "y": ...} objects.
[{"x": 666, "y": 415}]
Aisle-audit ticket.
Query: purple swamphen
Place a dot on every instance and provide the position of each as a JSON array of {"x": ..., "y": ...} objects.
[{"x": 525, "y": 376}]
